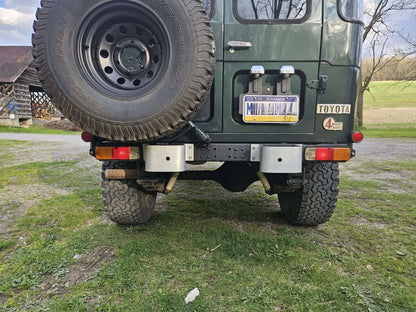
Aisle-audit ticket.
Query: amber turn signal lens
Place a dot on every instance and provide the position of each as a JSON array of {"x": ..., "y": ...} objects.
[{"x": 104, "y": 153}]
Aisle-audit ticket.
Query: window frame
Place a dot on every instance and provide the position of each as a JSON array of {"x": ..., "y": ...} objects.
[
  {"x": 301, "y": 20},
  {"x": 213, "y": 8},
  {"x": 345, "y": 18}
]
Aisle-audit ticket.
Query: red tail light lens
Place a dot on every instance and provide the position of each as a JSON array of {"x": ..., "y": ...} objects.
[{"x": 122, "y": 153}]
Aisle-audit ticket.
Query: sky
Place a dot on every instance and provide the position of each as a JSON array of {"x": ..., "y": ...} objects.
[{"x": 16, "y": 19}]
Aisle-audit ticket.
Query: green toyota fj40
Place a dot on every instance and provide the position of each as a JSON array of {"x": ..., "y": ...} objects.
[{"x": 266, "y": 89}]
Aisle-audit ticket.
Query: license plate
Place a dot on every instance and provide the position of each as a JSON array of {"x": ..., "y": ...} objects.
[{"x": 271, "y": 108}]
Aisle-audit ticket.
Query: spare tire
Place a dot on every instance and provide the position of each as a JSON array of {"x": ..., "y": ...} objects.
[{"x": 131, "y": 70}]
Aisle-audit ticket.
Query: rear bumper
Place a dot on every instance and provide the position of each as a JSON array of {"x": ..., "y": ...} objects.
[{"x": 283, "y": 158}]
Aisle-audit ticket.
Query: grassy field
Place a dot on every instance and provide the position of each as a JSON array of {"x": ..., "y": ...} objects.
[
  {"x": 390, "y": 131},
  {"x": 390, "y": 110},
  {"x": 59, "y": 253},
  {"x": 390, "y": 94},
  {"x": 34, "y": 129}
]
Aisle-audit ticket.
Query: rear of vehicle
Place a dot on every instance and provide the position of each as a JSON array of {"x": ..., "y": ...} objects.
[{"x": 280, "y": 110}]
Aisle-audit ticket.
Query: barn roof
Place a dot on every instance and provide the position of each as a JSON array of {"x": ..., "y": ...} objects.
[{"x": 13, "y": 62}]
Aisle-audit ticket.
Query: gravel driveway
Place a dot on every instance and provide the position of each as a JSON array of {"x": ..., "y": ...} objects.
[
  {"x": 50, "y": 147},
  {"x": 386, "y": 149}
]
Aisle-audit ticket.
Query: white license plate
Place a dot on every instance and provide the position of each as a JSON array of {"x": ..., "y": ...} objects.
[{"x": 271, "y": 108}]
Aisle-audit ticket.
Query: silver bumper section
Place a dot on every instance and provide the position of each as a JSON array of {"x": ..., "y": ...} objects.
[{"x": 272, "y": 158}]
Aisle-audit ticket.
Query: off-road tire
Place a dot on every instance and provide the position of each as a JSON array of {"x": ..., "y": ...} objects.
[
  {"x": 315, "y": 202},
  {"x": 134, "y": 70},
  {"x": 125, "y": 203}
]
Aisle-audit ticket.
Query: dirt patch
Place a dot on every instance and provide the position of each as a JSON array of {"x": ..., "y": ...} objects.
[
  {"x": 64, "y": 125},
  {"x": 86, "y": 265},
  {"x": 390, "y": 115}
]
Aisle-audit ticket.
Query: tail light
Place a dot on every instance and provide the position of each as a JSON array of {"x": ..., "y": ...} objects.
[
  {"x": 327, "y": 153},
  {"x": 117, "y": 153}
]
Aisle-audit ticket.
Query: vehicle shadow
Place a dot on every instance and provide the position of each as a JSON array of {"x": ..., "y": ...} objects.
[{"x": 208, "y": 200}]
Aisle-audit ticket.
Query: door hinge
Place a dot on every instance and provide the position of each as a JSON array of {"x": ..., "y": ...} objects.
[{"x": 320, "y": 84}]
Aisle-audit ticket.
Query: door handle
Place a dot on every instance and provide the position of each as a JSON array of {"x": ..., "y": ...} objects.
[{"x": 238, "y": 45}]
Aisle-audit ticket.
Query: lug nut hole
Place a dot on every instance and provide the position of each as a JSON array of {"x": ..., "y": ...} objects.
[
  {"x": 109, "y": 38},
  {"x": 104, "y": 53}
]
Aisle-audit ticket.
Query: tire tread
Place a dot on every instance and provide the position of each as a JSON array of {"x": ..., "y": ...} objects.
[
  {"x": 315, "y": 202},
  {"x": 125, "y": 203}
]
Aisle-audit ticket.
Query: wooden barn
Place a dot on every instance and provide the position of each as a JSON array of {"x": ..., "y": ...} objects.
[{"x": 21, "y": 93}]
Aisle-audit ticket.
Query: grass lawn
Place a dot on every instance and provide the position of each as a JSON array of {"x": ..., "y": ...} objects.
[
  {"x": 390, "y": 131},
  {"x": 390, "y": 94},
  {"x": 60, "y": 254},
  {"x": 34, "y": 129}
]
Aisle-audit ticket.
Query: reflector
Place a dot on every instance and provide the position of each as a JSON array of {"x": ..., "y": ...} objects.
[
  {"x": 357, "y": 137},
  {"x": 86, "y": 136}
]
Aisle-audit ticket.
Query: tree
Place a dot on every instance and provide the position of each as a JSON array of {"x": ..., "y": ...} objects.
[{"x": 378, "y": 33}]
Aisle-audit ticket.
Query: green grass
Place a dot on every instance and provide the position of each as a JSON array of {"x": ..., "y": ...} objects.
[
  {"x": 236, "y": 248},
  {"x": 4, "y": 244},
  {"x": 390, "y": 131},
  {"x": 58, "y": 173},
  {"x": 390, "y": 94},
  {"x": 34, "y": 129}
]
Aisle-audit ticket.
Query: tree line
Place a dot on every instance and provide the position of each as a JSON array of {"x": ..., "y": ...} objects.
[{"x": 398, "y": 67}]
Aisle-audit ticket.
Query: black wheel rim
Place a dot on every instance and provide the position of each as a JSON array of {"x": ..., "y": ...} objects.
[{"x": 122, "y": 49}]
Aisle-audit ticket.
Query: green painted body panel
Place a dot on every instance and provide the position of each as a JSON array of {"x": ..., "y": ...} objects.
[
  {"x": 342, "y": 89},
  {"x": 275, "y": 42},
  {"x": 341, "y": 44},
  {"x": 323, "y": 44},
  {"x": 210, "y": 116}
]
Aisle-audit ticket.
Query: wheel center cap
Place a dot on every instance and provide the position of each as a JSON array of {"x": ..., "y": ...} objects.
[{"x": 132, "y": 57}]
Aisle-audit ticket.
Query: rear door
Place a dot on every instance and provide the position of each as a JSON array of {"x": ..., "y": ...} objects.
[
  {"x": 209, "y": 118},
  {"x": 270, "y": 34}
]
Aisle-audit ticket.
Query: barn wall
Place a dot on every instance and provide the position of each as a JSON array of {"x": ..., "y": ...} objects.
[{"x": 22, "y": 100}]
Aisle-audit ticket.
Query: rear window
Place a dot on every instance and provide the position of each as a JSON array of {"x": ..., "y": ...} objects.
[
  {"x": 271, "y": 10},
  {"x": 351, "y": 10}
]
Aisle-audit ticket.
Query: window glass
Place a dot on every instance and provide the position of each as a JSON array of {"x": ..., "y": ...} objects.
[
  {"x": 272, "y": 9},
  {"x": 351, "y": 9},
  {"x": 208, "y": 6}
]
